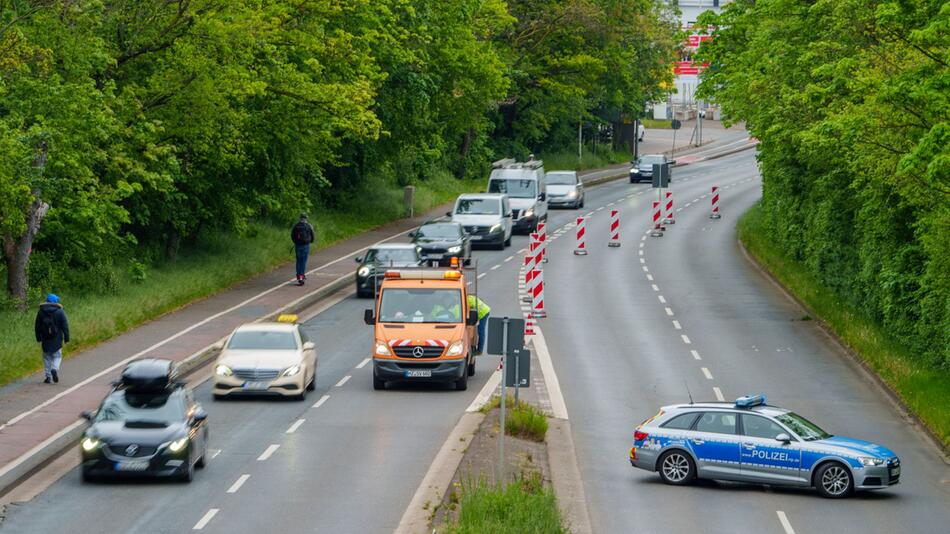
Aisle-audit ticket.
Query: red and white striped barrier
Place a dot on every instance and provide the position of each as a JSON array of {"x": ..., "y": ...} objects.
[
  {"x": 669, "y": 208},
  {"x": 528, "y": 326},
  {"x": 529, "y": 259},
  {"x": 614, "y": 229},
  {"x": 580, "y": 249},
  {"x": 543, "y": 239},
  {"x": 715, "y": 203},
  {"x": 537, "y": 292},
  {"x": 657, "y": 213}
]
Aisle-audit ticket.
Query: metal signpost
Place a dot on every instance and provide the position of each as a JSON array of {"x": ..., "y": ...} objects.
[{"x": 505, "y": 337}]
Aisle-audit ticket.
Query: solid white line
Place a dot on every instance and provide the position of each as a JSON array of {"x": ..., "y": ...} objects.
[
  {"x": 784, "y": 521},
  {"x": 707, "y": 374},
  {"x": 490, "y": 386},
  {"x": 238, "y": 483},
  {"x": 271, "y": 449},
  {"x": 669, "y": 311},
  {"x": 685, "y": 339},
  {"x": 363, "y": 363},
  {"x": 695, "y": 355},
  {"x": 718, "y": 393},
  {"x": 650, "y": 277},
  {"x": 676, "y": 325},
  {"x": 204, "y": 520},
  {"x": 493, "y": 267},
  {"x": 662, "y": 300},
  {"x": 320, "y": 402},
  {"x": 343, "y": 380},
  {"x": 558, "y": 406},
  {"x": 481, "y": 276},
  {"x": 293, "y": 428},
  {"x": 655, "y": 287}
]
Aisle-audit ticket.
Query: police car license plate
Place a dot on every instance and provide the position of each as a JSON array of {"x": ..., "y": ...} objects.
[
  {"x": 131, "y": 466},
  {"x": 895, "y": 471},
  {"x": 419, "y": 373},
  {"x": 255, "y": 386}
]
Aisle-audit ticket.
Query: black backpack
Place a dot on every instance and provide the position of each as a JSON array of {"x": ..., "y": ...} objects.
[
  {"x": 301, "y": 233},
  {"x": 48, "y": 327}
]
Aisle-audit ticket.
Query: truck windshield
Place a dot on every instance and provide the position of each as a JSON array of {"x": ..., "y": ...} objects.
[
  {"x": 513, "y": 188},
  {"x": 477, "y": 206},
  {"x": 400, "y": 305}
]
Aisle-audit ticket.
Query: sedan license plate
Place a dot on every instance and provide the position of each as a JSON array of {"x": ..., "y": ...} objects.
[
  {"x": 419, "y": 373},
  {"x": 895, "y": 471},
  {"x": 256, "y": 386},
  {"x": 475, "y": 237},
  {"x": 434, "y": 256},
  {"x": 131, "y": 466}
]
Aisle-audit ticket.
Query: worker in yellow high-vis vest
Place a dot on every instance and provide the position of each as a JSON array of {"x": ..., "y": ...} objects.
[{"x": 476, "y": 304}]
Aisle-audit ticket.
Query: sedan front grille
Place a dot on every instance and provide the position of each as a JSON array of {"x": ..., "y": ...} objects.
[
  {"x": 130, "y": 450},
  {"x": 427, "y": 352},
  {"x": 257, "y": 374}
]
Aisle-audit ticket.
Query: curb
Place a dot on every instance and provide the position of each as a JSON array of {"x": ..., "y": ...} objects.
[{"x": 24, "y": 466}]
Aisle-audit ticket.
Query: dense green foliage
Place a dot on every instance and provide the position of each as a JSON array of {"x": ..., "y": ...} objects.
[
  {"x": 850, "y": 100},
  {"x": 143, "y": 124},
  {"x": 521, "y": 507}
]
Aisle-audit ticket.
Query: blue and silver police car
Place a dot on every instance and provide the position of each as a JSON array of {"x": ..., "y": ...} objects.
[{"x": 750, "y": 441}]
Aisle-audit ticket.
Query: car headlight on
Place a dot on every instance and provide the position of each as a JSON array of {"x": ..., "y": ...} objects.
[
  {"x": 291, "y": 371},
  {"x": 456, "y": 349},
  {"x": 223, "y": 370},
  {"x": 495, "y": 228},
  {"x": 572, "y": 193},
  {"x": 635, "y": 170},
  {"x": 382, "y": 349},
  {"x": 871, "y": 462},
  {"x": 364, "y": 272},
  {"x": 455, "y": 250},
  {"x": 528, "y": 213},
  {"x": 90, "y": 444},
  {"x": 178, "y": 445}
]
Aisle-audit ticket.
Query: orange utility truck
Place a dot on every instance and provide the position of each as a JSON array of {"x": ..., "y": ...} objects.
[{"x": 423, "y": 329}]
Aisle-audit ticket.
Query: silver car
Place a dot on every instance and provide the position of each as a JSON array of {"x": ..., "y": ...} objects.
[{"x": 750, "y": 441}]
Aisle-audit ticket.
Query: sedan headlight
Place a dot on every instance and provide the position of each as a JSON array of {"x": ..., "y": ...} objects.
[
  {"x": 90, "y": 444},
  {"x": 223, "y": 370},
  {"x": 528, "y": 213},
  {"x": 291, "y": 371},
  {"x": 495, "y": 228},
  {"x": 364, "y": 272},
  {"x": 455, "y": 250},
  {"x": 456, "y": 349},
  {"x": 572, "y": 193},
  {"x": 635, "y": 170},
  {"x": 871, "y": 462},
  {"x": 382, "y": 349},
  {"x": 178, "y": 445}
]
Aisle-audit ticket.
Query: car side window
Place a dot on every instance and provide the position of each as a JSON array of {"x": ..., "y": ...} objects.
[
  {"x": 759, "y": 427},
  {"x": 717, "y": 423},
  {"x": 681, "y": 422}
]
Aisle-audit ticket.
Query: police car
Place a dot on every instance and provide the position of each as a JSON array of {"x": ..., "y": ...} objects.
[{"x": 750, "y": 441}]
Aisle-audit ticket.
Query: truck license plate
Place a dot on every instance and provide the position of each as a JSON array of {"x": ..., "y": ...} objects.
[
  {"x": 256, "y": 386},
  {"x": 131, "y": 466},
  {"x": 419, "y": 373}
]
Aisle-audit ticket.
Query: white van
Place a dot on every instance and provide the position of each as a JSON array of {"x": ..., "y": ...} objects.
[
  {"x": 524, "y": 184},
  {"x": 487, "y": 218}
]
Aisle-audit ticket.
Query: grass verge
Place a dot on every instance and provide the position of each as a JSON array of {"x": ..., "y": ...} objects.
[
  {"x": 523, "y": 420},
  {"x": 523, "y": 506},
  {"x": 216, "y": 262},
  {"x": 601, "y": 156},
  {"x": 925, "y": 391},
  {"x": 657, "y": 124}
]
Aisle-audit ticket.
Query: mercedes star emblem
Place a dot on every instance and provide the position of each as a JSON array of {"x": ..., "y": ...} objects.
[
  {"x": 418, "y": 352},
  {"x": 131, "y": 450}
]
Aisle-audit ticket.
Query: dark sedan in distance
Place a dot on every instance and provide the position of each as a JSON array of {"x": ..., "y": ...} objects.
[
  {"x": 439, "y": 242},
  {"x": 378, "y": 259},
  {"x": 642, "y": 169}
]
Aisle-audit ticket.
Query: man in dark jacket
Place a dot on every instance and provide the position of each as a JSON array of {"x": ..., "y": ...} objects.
[
  {"x": 52, "y": 330},
  {"x": 302, "y": 235}
]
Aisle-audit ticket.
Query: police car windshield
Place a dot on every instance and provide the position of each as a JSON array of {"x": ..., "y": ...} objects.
[
  {"x": 159, "y": 409},
  {"x": 262, "y": 340},
  {"x": 400, "y": 305},
  {"x": 478, "y": 206},
  {"x": 805, "y": 429},
  {"x": 513, "y": 188},
  {"x": 398, "y": 255}
]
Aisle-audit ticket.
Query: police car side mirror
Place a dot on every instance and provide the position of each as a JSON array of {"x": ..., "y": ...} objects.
[
  {"x": 369, "y": 317},
  {"x": 784, "y": 438},
  {"x": 412, "y": 234},
  {"x": 448, "y": 214},
  {"x": 472, "y": 318},
  {"x": 358, "y": 259},
  {"x": 87, "y": 415}
]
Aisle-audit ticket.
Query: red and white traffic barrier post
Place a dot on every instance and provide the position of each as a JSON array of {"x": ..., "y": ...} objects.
[
  {"x": 528, "y": 325},
  {"x": 529, "y": 268},
  {"x": 715, "y": 203},
  {"x": 669, "y": 208},
  {"x": 537, "y": 292},
  {"x": 580, "y": 249},
  {"x": 614, "y": 229},
  {"x": 543, "y": 239},
  {"x": 657, "y": 213}
]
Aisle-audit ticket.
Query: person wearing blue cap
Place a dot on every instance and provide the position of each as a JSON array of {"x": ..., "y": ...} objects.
[{"x": 52, "y": 330}]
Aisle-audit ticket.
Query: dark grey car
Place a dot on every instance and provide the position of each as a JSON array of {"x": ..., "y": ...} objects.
[{"x": 642, "y": 169}]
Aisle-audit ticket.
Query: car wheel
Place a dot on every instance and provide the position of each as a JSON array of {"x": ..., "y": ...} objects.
[
  {"x": 363, "y": 294},
  {"x": 462, "y": 383},
  {"x": 200, "y": 464},
  {"x": 89, "y": 478},
  {"x": 676, "y": 468},
  {"x": 378, "y": 384},
  {"x": 834, "y": 481},
  {"x": 189, "y": 474},
  {"x": 313, "y": 383},
  {"x": 508, "y": 241},
  {"x": 582, "y": 203},
  {"x": 500, "y": 245},
  {"x": 218, "y": 397},
  {"x": 471, "y": 368}
]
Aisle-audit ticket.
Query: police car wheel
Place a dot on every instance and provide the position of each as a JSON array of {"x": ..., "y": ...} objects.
[
  {"x": 834, "y": 481},
  {"x": 677, "y": 468}
]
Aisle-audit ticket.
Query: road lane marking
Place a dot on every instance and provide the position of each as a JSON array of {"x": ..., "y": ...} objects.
[
  {"x": 644, "y": 238},
  {"x": 363, "y": 363},
  {"x": 685, "y": 339},
  {"x": 784, "y": 521},
  {"x": 493, "y": 267},
  {"x": 293, "y": 428},
  {"x": 642, "y": 245},
  {"x": 481, "y": 275},
  {"x": 655, "y": 287},
  {"x": 676, "y": 325},
  {"x": 558, "y": 406},
  {"x": 641, "y": 251},
  {"x": 509, "y": 258},
  {"x": 645, "y": 269},
  {"x": 320, "y": 402},
  {"x": 238, "y": 483},
  {"x": 599, "y": 209},
  {"x": 707, "y": 373},
  {"x": 669, "y": 311},
  {"x": 650, "y": 277},
  {"x": 204, "y": 520},
  {"x": 662, "y": 300},
  {"x": 343, "y": 380},
  {"x": 718, "y": 393},
  {"x": 270, "y": 450},
  {"x": 695, "y": 355}
]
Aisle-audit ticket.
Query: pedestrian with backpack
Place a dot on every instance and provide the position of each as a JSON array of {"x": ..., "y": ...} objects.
[
  {"x": 52, "y": 330},
  {"x": 302, "y": 235}
]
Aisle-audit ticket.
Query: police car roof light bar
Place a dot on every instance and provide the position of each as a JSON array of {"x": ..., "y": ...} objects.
[{"x": 750, "y": 401}]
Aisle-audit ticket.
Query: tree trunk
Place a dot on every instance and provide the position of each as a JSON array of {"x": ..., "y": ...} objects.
[
  {"x": 464, "y": 151},
  {"x": 172, "y": 244},
  {"x": 17, "y": 249}
]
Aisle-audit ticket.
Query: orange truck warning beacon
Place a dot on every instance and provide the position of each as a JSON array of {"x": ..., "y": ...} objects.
[{"x": 423, "y": 329}]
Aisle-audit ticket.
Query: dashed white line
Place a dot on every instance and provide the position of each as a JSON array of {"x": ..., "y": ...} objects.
[
  {"x": 493, "y": 267},
  {"x": 204, "y": 520},
  {"x": 662, "y": 300},
  {"x": 676, "y": 325},
  {"x": 642, "y": 260},
  {"x": 642, "y": 245},
  {"x": 343, "y": 380},
  {"x": 363, "y": 363},
  {"x": 718, "y": 393},
  {"x": 271, "y": 449},
  {"x": 238, "y": 483},
  {"x": 293, "y": 428},
  {"x": 785, "y": 523},
  {"x": 669, "y": 311},
  {"x": 695, "y": 355},
  {"x": 509, "y": 258},
  {"x": 599, "y": 209},
  {"x": 650, "y": 277},
  {"x": 646, "y": 269},
  {"x": 655, "y": 287},
  {"x": 685, "y": 339},
  {"x": 320, "y": 402},
  {"x": 707, "y": 374},
  {"x": 482, "y": 275}
]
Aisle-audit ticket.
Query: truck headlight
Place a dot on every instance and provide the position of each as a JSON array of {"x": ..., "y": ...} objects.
[
  {"x": 456, "y": 349},
  {"x": 572, "y": 193},
  {"x": 90, "y": 444},
  {"x": 382, "y": 349},
  {"x": 291, "y": 371},
  {"x": 363, "y": 272},
  {"x": 495, "y": 228},
  {"x": 455, "y": 250},
  {"x": 178, "y": 445},
  {"x": 223, "y": 370},
  {"x": 871, "y": 462}
]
